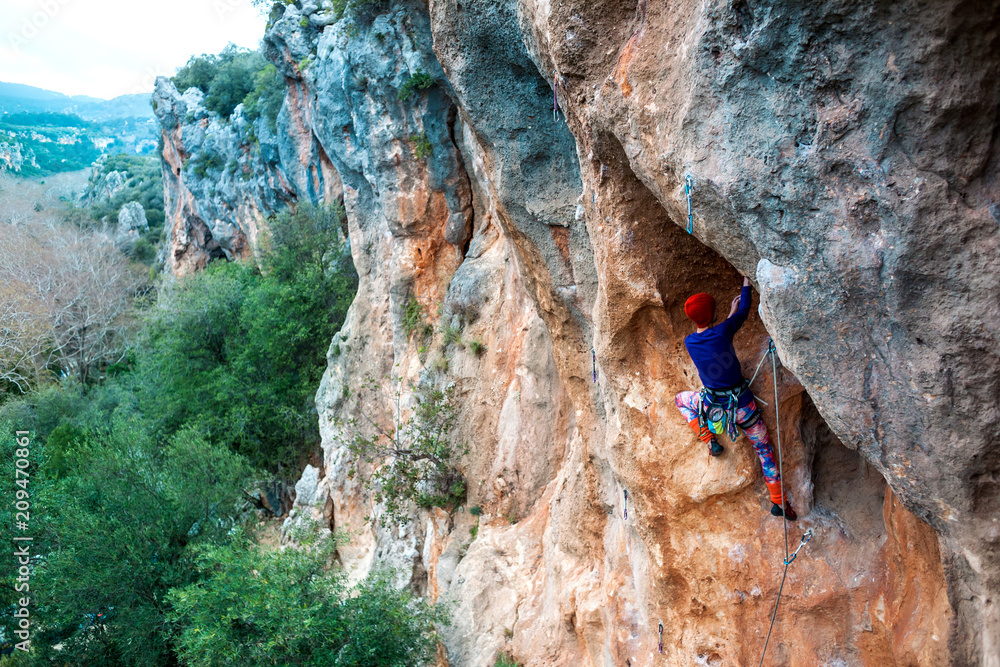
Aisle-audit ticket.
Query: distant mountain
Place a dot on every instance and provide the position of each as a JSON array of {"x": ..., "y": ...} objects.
[
  {"x": 15, "y": 97},
  {"x": 44, "y": 132}
]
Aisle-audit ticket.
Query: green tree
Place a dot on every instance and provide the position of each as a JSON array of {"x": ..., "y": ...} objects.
[
  {"x": 225, "y": 79},
  {"x": 258, "y": 607},
  {"x": 267, "y": 96},
  {"x": 240, "y": 351},
  {"x": 115, "y": 517}
]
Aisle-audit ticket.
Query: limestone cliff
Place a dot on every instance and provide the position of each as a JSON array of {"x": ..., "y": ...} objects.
[{"x": 843, "y": 156}]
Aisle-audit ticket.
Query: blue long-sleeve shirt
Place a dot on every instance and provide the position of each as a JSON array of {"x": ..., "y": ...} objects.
[{"x": 712, "y": 350}]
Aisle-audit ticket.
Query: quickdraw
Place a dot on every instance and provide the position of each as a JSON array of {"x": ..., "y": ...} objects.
[
  {"x": 625, "y": 513},
  {"x": 555, "y": 99},
  {"x": 593, "y": 359},
  {"x": 688, "y": 187},
  {"x": 806, "y": 536},
  {"x": 661, "y": 637},
  {"x": 718, "y": 410}
]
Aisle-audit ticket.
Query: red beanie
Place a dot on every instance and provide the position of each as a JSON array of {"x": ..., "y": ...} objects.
[{"x": 700, "y": 308}]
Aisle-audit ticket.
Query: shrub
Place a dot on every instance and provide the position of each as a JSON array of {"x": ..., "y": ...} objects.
[
  {"x": 413, "y": 459},
  {"x": 143, "y": 251},
  {"x": 452, "y": 334},
  {"x": 358, "y": 10},
  {"x": 418, "y": 81},
  {"x": 422, "y": 146},
  {"x": 477, "y": 347},
  {"x": 207, "y": 161},
  {"x": 413, "y": 316},
  {"x": 266, "y": 97},
  {"x": 292, "y": 607}
]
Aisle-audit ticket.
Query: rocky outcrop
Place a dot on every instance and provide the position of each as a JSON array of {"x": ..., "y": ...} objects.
[
  {"x": 221, "y": 177},
  {"x": 131, "y": 223},
  {"x": 14, "y": 156},
  {"x": 103, "y": 186},
  {"x": 843, "y": 157}
]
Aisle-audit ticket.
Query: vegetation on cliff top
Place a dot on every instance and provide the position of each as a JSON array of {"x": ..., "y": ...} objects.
[{"x": 233, "y": 77}]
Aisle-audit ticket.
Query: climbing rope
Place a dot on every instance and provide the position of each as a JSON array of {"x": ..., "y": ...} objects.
[
  {"x": 777, "y": 429},
  {"x": 788, "y": 560},
  {"x": 688, "y": 187}
]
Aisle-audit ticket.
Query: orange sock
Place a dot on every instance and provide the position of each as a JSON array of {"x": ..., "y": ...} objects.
[
  {"x": 775, "y": 490},
  {"x": 703, "y": 433}
]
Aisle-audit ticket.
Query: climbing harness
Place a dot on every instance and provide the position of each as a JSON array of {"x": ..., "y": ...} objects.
[
  {"x": 661, "y": 637},
  {"x": 625, "y": 513},
  {"x": 688, "y": 187},
  {"x": 788, "y": 560},
  {"x": 718, "y": 410},
  {"x": 593, "y": 358}
]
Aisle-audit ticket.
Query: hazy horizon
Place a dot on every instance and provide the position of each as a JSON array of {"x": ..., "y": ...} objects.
[{"x": 107, "y": 48}]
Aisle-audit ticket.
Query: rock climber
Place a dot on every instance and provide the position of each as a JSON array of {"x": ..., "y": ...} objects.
[{"x": 726, "y": 401}]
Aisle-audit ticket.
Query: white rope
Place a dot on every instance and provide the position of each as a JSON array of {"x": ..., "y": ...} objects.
[{"x": 781, "y": 478}]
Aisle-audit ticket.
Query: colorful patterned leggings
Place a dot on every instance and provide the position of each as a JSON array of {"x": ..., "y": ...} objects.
[{"x": 688, "y": 402}]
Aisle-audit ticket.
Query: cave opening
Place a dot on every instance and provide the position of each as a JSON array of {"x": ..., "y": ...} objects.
[{"x": 825, "y": 477}]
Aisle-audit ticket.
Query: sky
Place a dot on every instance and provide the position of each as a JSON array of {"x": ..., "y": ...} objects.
[{"x": 106, "y": 48}]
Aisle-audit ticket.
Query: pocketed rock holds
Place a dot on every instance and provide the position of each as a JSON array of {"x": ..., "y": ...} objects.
[{"x": 844, "y": 159}]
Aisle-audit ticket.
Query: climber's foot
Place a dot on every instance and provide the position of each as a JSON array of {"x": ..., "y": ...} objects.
[
  {"x": 788, "y": 512},
  {"x": 714, "y": 448}
]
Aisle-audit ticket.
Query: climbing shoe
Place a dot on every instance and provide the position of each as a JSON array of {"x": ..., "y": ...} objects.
[
  {"x": 714, "y": 448},
  {"x": 788, "y": 512}
]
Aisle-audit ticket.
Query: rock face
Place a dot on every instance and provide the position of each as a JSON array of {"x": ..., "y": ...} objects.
[
  {"x": 13, "y": 155},
  {"x": 843, "y": 157},
  {"x": 102, "y": 187},
  {"x": 223, "y": 177},
  {"x": 131, "y": 222}
]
